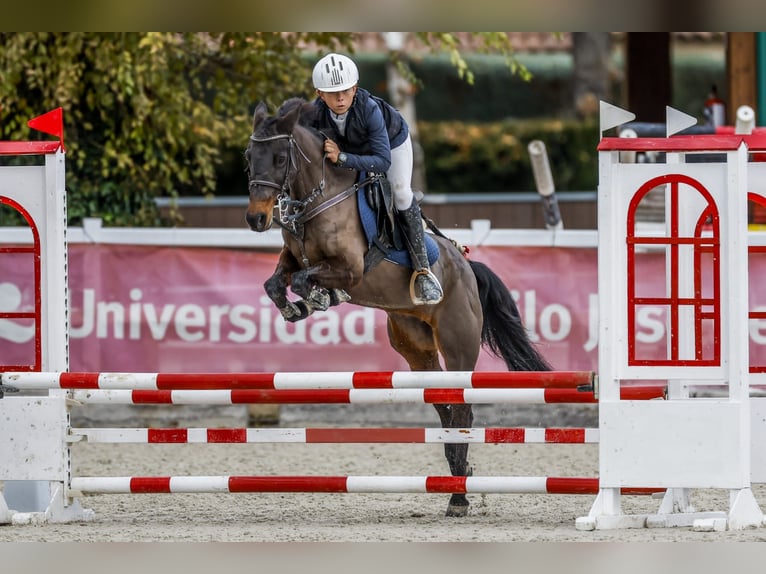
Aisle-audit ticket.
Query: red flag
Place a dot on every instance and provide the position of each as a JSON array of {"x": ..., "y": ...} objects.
[{"x": 50, "y": 123}]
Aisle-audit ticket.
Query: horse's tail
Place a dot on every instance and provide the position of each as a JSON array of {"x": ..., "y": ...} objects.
[{"x": 502, "y": 332}]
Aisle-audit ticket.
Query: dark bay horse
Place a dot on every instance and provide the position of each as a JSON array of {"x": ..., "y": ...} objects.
[{"x": 322, "y": 262}]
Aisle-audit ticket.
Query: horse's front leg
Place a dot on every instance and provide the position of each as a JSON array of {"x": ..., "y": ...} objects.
[
  {"x": 321, "y": 299},
  {"x": 314, "y": 297},
  {"x": 325, "y": 284},
  {"x": 276, "y": 288}
]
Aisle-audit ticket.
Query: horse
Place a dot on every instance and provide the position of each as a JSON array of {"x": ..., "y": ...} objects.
[{"x": 323, "y": 262}]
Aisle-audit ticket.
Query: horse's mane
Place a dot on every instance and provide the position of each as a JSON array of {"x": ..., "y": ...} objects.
[
  {"x": 290, "y": 104},
  {"x": 307, "y": 113},
  {"x": 295, "y": 112}
]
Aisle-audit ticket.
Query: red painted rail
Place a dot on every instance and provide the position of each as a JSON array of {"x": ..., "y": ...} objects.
[
  {"x": 318, "y": 380},
  {"x": 490, "y": 435}
]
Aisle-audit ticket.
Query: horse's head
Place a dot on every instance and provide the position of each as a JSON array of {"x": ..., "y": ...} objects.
[{"x": 272, "y": 157}]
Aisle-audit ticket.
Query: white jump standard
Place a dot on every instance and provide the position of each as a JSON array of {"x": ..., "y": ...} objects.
[{"x": 671, "y": 443}]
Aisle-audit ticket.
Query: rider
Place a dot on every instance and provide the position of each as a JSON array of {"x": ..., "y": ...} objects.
[{"x": 368, "y": 134}]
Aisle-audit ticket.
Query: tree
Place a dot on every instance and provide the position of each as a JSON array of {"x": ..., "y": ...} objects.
[{"x": 149, "y": 114}]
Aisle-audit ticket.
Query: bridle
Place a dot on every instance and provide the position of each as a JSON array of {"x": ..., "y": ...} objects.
[
  {"x": 294, "y": 213},
  {"x": 289, "y": 209}
]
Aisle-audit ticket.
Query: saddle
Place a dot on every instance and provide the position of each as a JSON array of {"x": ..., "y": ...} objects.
[
  {"x": 380, "y": 198},
  {"x": 379, "y": 220}
]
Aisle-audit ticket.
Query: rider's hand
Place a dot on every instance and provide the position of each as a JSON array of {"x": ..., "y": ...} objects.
[{"x": 332, "y": 150}]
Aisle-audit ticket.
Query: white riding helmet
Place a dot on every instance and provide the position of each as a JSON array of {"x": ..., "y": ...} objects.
[{"x": 335, "y": 73}]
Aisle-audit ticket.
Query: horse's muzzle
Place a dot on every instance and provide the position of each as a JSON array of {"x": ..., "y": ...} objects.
[{"x": 259, "y": 221}]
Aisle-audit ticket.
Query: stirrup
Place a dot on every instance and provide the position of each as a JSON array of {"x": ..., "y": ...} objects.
[{"x": 431, "y": 294}]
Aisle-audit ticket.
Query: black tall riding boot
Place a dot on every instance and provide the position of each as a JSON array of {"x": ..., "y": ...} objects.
[{"x": 424, "y": 286}]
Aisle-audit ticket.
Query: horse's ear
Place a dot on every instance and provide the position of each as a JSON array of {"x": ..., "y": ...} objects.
[
  {"x": 287, "y": 121},
  {"x": 259, "y": 115}
]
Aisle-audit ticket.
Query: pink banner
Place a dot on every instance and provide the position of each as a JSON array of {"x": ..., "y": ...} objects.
[{"x": 138, "y": 308}]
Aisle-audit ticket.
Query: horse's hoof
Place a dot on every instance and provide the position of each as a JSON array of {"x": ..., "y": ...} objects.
[
  {"x": 338, "y": 296},
  {"x": 289, "y": 311},
  {"x": 294, "y": 312},
  {"x": 319, "y": 299},
  {"x": 457, "y": 510}
]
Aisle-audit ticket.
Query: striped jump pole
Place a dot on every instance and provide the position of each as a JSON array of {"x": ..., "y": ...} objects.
[
  {"x": 355, "y": 396},
  {"x": 343, "y": 484},
  {"x": 318, "y": 380},
  {"x": 335, "y": 435}
]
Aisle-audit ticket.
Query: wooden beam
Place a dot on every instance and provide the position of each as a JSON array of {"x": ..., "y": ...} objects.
[
  {"x": 648, "y": 75},
  {"x": 741, "y": 73}
]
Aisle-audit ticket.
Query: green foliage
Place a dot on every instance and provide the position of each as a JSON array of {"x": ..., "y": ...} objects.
[
  {"x": 147, "y": 114},
  {"x": 152, "y": 114},
  {"x": 496, "y": 93},
  {"x": 462, "y": 157},
  {"x": 497, "y": 43}
]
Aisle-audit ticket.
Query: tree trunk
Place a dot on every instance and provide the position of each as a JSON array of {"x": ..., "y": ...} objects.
[
  {"x": 647, "y": 65},
  {"x": 591, "y": 53}
]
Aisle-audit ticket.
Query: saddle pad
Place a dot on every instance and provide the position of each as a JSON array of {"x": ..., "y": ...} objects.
[{"x": 370, "y": 225}]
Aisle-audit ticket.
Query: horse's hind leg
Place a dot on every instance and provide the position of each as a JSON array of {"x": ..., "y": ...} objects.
[
  {"x": 456, "y": 416},
  {"x": 414, "y": 340},
  {"x": 459, "y": 340}
]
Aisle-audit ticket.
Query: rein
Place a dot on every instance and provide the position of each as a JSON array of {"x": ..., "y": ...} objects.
[{"x": 302, "y": 218}]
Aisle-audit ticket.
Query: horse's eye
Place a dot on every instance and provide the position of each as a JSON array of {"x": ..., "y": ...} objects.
[{"x": 280, "y": 160}]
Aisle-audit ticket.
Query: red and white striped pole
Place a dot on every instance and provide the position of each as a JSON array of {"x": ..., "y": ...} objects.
[
  {"x": 336, "y": 435},
  {"x": 355, "y": 396},
  {"x": 317, "y": 380},
  {"x": 342, "y": 484}
]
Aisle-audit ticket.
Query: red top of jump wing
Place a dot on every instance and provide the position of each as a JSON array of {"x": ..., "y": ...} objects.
[
  {"x": 50, "y": 123},
  {"x": 697, "y": 142},
  {"x": 28, "y": 148}
]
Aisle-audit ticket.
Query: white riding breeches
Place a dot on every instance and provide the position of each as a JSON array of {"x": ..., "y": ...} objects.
[{"x": 400, "y": 174}]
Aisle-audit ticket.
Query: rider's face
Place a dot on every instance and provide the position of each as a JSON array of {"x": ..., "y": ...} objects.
[{"x": 338, "y": 102}]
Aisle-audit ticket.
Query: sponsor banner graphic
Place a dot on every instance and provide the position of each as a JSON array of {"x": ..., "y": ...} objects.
[{"x": 144, "y": 308}]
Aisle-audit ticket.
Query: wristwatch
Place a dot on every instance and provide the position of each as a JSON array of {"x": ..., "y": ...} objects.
[{"x": 342, "y": 157}]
